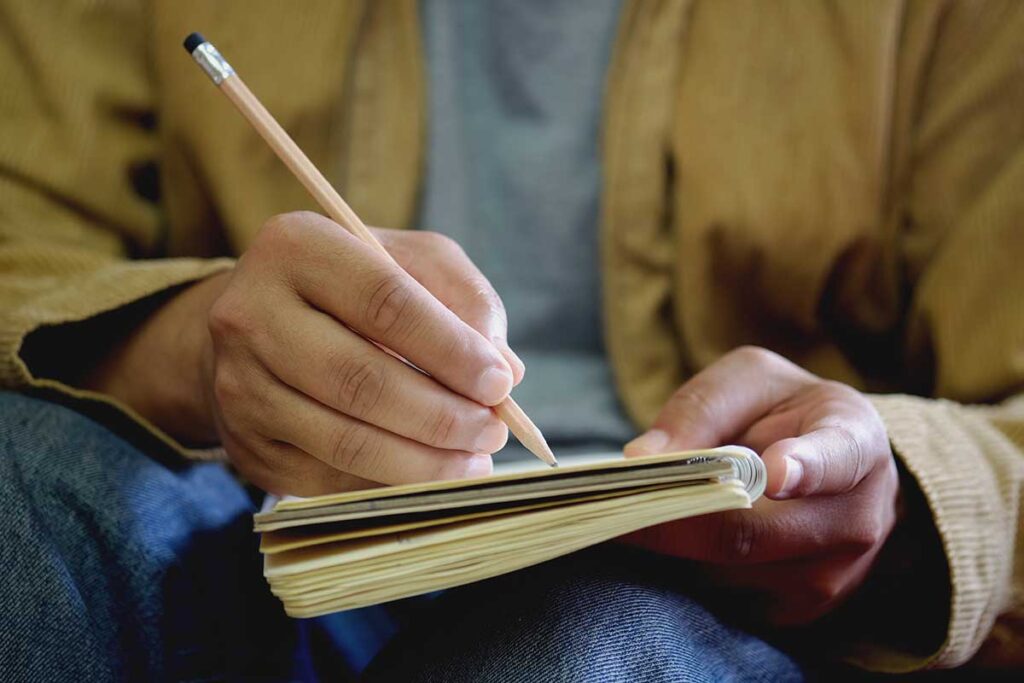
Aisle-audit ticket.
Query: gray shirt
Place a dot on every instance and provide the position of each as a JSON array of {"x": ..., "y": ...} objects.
[{"x": 513, "y": 174}]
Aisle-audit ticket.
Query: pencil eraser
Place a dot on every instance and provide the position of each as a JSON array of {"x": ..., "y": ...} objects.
[{"x": 193, "y": 41}]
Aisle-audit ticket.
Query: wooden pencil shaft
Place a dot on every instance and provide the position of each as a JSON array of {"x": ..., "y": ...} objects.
[
  {"x": 297, "y": 161},
  {"x": 339, "y": 211},
  {"x": 524, "y": 429}
]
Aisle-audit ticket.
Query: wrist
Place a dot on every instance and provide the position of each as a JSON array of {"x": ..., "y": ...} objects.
[
  {"x": 159, "y": 368},
  {"x": 190, "y": 416}
]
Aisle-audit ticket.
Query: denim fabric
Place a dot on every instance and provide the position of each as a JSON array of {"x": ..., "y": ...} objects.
[
  {"x": 114, "y": 566},
  {"x": 606, "y": 614},
  {"x": 117, "y": 567}
]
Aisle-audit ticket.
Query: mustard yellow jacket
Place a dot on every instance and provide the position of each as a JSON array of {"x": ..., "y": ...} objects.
[{"x": 842, "y": 182}]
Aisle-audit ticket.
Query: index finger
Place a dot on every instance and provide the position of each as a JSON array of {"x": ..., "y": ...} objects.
[
  {"x": 442, "y": 266},
  {"x": 720, "y": 402},
  {"x": 347, "y": 279}
]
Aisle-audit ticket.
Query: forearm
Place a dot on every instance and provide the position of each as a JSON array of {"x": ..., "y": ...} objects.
[{"x": 157, "y": 366}]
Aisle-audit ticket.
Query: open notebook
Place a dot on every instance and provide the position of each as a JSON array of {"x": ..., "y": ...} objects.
[{"x": 349, "y": 550}]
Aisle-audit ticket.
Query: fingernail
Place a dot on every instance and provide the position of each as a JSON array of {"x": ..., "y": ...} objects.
[
  {"x": 467, "y": 467},
  {"x": 515, "y": 360},
  {"x": 480, "y": 465},
  {"x": 649, "y": 443},
  {"x": 518, "y": 366},
  {"x": 494, "y": 385},
  {"x": 491, "y": 438},
  {"x": 794, "y": 472}
]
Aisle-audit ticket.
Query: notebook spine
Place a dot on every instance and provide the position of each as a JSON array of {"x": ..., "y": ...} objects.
[{"x": 748, "y": 468}]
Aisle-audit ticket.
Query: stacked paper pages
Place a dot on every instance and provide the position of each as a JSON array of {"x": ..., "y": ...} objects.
[{"x": 349, "y": 550}]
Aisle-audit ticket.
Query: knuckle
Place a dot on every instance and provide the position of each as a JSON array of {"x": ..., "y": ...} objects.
[
  {"x": 386, "y": 303},
  {"x": 439, "y": 243},
  {"x": 466, "y": 351},
  {"x": 227, "y": 319},
  {"x": 237, "y": 454},
  {"x": 277, "y": 230},
  {"x": 693, "y": 402},
  {"x": 359, "y": 384},
  {"x": 235, "y": 439},
  {"x": 867, "y": 532},
  {"x": 864, "y": 537},
  {"x": 831, "y": 404},
  {"x": 757, "y": 355},
  {"x": 352, "y": 449},
  {"x": 279, "y": 458},
  {"x": 287, "y": 469},
  {"x": 775, "y": 367},
  {"x": 444, "y": 428},
  {"x": 480, "y": 293},
  {"x": 305, "y": 217},
  {"x": 825, "y": 588},
  {"x": 838, "y": 390},
  {"x": 227, "y": 386},
  {"x": 845, "y": 395},
  {"x": 276, "y": 224},
  {"x": 857, "y": 459},
  {"x": 284, "y": 232}
]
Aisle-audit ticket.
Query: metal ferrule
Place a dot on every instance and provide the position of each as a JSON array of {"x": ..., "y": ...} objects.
[{"x": 215, "y": 66}]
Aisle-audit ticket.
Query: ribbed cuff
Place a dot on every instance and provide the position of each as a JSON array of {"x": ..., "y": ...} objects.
[
  {"x": 953, "y": 453},
  {"x": 108, "y": 289}
]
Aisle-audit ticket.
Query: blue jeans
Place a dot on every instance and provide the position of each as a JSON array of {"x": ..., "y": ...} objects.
[{"x": 117, "y": 566}]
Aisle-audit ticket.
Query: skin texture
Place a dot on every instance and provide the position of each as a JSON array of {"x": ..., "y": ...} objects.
[
  {"x": 832, "y": 483},
  {"x": 271, "y": 365}
]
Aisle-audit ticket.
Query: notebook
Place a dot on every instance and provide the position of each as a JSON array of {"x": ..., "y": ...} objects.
[{"x": 348, "y": 550}]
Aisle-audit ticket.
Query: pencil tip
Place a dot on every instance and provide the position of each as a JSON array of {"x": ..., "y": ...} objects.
[
  {"x": 192, "y": 41},
  {"x": 544, "y": 452}
]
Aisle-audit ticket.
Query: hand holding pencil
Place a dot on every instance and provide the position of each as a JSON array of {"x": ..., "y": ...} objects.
[{"x": 316, "y": 364}]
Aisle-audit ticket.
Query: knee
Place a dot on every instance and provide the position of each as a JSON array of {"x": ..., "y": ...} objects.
[
  {"x": 611, "y": 614},
  {"x": 42, "y": 443},
  {"x": 154, "y": 566},
  {"x": 604, "y": 626},
  {"x": 595, "y": 615},
  {"x": 73, "y": 475},
  {"x": 41, "y": 438}
]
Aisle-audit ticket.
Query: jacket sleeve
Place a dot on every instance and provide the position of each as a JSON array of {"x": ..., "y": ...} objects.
[
  {"x": 80, "y": 220},
  {"x": 964, "y": 249}
]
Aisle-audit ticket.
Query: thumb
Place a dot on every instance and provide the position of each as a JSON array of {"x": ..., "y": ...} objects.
[{"x": 826, "y": 461}]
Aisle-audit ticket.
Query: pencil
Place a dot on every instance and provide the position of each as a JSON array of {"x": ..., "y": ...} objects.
[{"x": 225, "y": 78}]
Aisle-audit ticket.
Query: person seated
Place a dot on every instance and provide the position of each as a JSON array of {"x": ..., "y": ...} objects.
[{"x": 791, "y": 226}]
